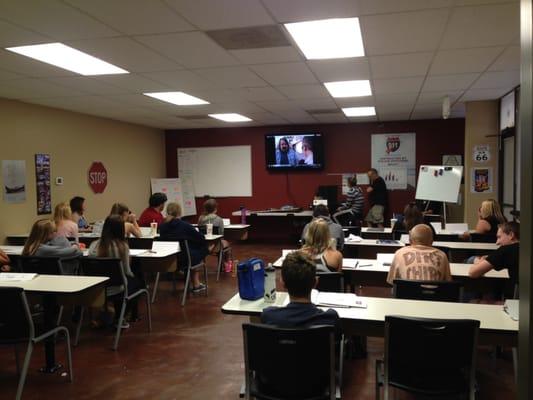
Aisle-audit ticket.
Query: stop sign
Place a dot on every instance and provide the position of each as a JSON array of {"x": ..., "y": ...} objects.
[{"x": 97, "y": 177}]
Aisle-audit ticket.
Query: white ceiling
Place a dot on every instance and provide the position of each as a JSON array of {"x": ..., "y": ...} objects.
[{"x": 417, "y": 51}]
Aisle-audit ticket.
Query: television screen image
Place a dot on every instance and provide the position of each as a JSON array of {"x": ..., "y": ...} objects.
[{"x": 294, "y": 151}]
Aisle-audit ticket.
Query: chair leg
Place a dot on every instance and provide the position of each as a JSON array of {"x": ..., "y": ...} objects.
[
  {"x": 69, "y": 357},
  {"x": 205, "y": 278},
  {"x": 149, "y": 311},
  {"x": 515, "y": 364},
  {"x": 220, "y": 258},
  {"x": 119, "y": 324},
  {"x": 24, "y": 371},
  {"x": 78, "y": 327},
  {"x": 156, "y": 283},
  {"x": 341, "y": 360},
  {"x": 186, "y": 289}
]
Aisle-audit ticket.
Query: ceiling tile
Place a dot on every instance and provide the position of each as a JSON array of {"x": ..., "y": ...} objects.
[
  {"x": 258, "y": 93},
  {"x": 397, "y": 85},
  {"x": 231, "y": 77},
  {"x": 496, "y": 80},
  {"x": 191, "y": 49},
  {"x": 55, "y": 19},
  {"x": 437, "y": 97},
  {"x": 303, "y": 91},
  {"x": 308, "y": 10},
  {"x": 393, "y": 116},
  {"x": 179, "y": 80},
  {"x": 88, "y": 84},
  {"x": 331, "y": 118},
  {"x": 367, "y": 7},
  {"x": 461, "y": 61},
  {"x": 134, "y": 17},
  {"x": 395, "y": 99},
  {"x": 400, "y": 65},
  {"x": 395, "y": 108},
  {"x": 7, "y": 75},
  {"x": 509, "y": 60},
  {"x": 443, "y": 83},
  {"x": 125, "y": 53},
  {"x": 11, "y": 35},
  {"x": 355, "y": 101},
  {"x": 32, "y": 88},
  {"x": 133, "y": 82},
  {"x": 491, "y": 25},
  {"x": 403, "y": 32},
  {"x": 426, "y": 115},
  {"x": 483, "y": 94},
  {"x": 285, "y": 74},
  {"x": 221, "y": 14},
  {"x": 267, "y": 55},
  {"x": 23, "y": 65},
  {"x": 340, "y": 70}
]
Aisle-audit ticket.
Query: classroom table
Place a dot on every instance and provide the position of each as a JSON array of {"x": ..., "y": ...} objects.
[
  {"x": 269, "y": 224},
  {"x": 376, "y": 233},
  {"x": 496, "y": 326},
  {"x": 52, "y": 288}
]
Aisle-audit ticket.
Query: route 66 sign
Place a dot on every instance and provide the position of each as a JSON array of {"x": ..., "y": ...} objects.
[
  {"x": 481, "y": 153},
  {"x": 393, "y": 144}
]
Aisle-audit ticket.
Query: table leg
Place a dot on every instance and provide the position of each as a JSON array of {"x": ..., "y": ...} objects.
[{"x": 50, "y": 322}]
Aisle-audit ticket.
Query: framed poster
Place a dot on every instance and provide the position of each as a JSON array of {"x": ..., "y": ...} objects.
[
  {"x": 395, "y": 152},
  {"x": 42, "y": 178},
  {"x": 14, "y": 174}
]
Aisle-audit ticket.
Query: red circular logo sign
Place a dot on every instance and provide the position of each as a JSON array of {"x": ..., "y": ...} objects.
[{"x": 97, "y": 177}]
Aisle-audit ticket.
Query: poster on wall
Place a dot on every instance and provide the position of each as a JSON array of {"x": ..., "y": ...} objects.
[
  {"x": 42, "y": 178},
  {"x": 187, "y": 159},
  {"x": 14, "y": 174},
  {"x": 481, "y": 180},
  {"x": 362, "y": 179},
  {"x": 172, "y": 187},
  {"x": 395, "y": 152}
]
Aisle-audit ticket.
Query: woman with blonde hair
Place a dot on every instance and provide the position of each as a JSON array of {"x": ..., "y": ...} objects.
[
  {"x": 64, "y": 224},
  {"x": 321, "y": 248},
  {"x": 489, "y": 217},
  {"x": 131, "y": 227}
]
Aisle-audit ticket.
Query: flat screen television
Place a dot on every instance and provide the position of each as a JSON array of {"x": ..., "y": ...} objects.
[{"x": 294, "y": 151}]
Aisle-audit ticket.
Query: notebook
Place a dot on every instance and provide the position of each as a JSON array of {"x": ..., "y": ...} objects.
[
  {"x": 16, "y": 277},
  {"x": 340, "y": 300}
]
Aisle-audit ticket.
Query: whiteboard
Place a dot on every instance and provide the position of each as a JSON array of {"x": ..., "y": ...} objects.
[
  {"x": 218, "y": 171},
  {"x": 172, "y": 187},
  {"x": 439, "y": 183}
]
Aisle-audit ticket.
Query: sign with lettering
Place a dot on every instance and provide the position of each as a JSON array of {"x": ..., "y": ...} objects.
[{"x": 97, "y": 177}]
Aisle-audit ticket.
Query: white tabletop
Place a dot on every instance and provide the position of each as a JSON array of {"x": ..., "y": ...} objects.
[
  {"x": 143, "y": 253},
  {"x": 58, "y": 283},
  {"x": 367, "y": 229},
  {"x": 266, "y": 213},
  {"x": 491, "y": 317},
  {"x": 449, "y": 245},
  {"x": 373, "y": 242}
]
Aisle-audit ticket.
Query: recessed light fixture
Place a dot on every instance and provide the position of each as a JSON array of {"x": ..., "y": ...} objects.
[
  {"x": 230, "y": 117},
  {"x": 328, "y": 38},
  {"x": 178, "y": 98},
  {"x": 68, "y": 58},
  {"x": 359, "y": 111},
  {"x": 349, "y": 88}
]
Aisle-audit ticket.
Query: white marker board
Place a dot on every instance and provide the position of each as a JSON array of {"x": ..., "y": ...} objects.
[
  {"x": 439, "y": 183},
  {"x": 218, "y": 171}
]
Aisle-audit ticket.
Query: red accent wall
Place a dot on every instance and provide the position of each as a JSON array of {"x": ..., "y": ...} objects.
[{"x": 347, "y": 149}]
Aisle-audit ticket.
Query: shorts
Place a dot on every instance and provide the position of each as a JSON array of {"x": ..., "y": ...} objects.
[{"x": 375, "y": 214}]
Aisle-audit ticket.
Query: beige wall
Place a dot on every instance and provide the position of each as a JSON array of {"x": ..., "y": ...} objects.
[
  {"x": 132, "y": 154},
  {"x": 481, "y": 121}
]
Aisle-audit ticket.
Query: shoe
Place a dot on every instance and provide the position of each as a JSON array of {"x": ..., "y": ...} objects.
[
  {"x": 199, "y": 288},
  {"x": 125, "y": 324}
]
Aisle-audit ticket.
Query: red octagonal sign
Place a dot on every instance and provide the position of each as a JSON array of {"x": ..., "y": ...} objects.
[{"x": 97, "y": 177}]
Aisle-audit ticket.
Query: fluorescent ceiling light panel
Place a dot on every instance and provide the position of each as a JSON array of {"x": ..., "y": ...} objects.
[
  {"x": 328, "y": 38},
  {"x": 68, "y": 58},
  {"x": 178, "y": 98},
  {"x": 230, "y": 117},
  {"x": 349, "y": 88},
  {"x": 359, "y": 111}
]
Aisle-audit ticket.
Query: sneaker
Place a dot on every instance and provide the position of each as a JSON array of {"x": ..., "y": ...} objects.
[
  {"x": 199, "y": 288},
  {"x": 125, "y": 324}
]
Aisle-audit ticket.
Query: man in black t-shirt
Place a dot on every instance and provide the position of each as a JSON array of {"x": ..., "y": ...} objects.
[
  {"x": 507, "y": 256},
  {"x": 377, "y": 197}
]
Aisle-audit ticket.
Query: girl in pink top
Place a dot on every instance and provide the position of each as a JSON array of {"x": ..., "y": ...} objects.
[{"x": 64, "y": 224}]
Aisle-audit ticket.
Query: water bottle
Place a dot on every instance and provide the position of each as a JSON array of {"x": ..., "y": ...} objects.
[
  {"x": 243, "y": 215},
  {"x": 270, "y": 284}
]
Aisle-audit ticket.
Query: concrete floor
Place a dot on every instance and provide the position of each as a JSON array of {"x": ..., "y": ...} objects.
[{"x": 195, "y": 352}]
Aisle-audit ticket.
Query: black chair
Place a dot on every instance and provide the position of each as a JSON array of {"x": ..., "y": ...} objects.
[
  {"x": 289, "y": 363},
  {"x": 429, "y": 357},
  {"x": 218, "y": 251},
  {"x": 330, "y": 282},
  {"x": 112, "y": 268},
  {"x": 482, "y": 237},
  {"x": 16, "y": 326},
  {"x": 189, "y": 268},
  {"x": 140, "y": 243},
  {"x": 172, "y": 270},
  {"x": 428, "y": 290}
]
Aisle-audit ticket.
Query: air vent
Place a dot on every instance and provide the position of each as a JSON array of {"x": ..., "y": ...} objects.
[{"x": 256, "y": 37}]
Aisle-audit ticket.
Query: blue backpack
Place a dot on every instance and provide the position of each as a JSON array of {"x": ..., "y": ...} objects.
[{"x": 251, "y": 276}]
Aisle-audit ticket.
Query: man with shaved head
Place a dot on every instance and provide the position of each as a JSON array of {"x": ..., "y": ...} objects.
[{"x": 420, "y": 261}]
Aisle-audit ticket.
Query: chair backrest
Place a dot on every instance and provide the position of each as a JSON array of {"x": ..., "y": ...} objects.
[
  {"x": 140, "y": 243},
  {"x": 428, "y": 290},
  {"x": 290, "y": 363},
  {"x": 425, "y": 354},
  {"x": 396, "y": 235},
  {"x": 104, "y": 266},
  {"x": 40, "y": 265},
  {"x": 15, "y": 318},
  {"x": 203, "y": 229},
  {"x": 330, "y": 282}
]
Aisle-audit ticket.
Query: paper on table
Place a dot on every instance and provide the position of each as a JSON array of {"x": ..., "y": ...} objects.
[
  {"x": 350, "y": 263},
  {"x": 353, "y": 238},
  {"x": 226, "y": 221},
  {"x": 165, "y": 246},
  {"x": 456, "y": 228},
  {"x": 511, "y": 308},
  {"x": 437, "y": 226},
  {"x": 341, "y": 300},
  {"x": 404, "y": 238},
  {"x": 285, "y": 252},
  {"x": 385, "y": 259},
  {"x": 16, "y": 277}
]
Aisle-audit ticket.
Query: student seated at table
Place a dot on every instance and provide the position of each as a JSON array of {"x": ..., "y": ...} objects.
[
  {"x": 420, "y": 261},
  {"x": 298, "y": 276},
  {"x": 489, "y": 217},
  {"x": 131, "y": 227},
  {"x": 412, "y": 216},
  {"x": 112, "y": 243},
  {"x": 175, "y": 229},
  {"x": 321, "y": 247},
  {"x": 4, "y": 262},
  {"x": 507, "y": 256},
  {"x": 209, "y": 216},
  {"x": 354, "y": 204},
  {"x": 43, "y": 242},
  {"x": 335, "y": 230},
  {"x": 77, "y": 206},
  {"x": 153, "y": 212},
  {"x": 64, "y": 224}
]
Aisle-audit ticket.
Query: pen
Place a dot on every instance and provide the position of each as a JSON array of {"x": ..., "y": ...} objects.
[{"x": 364, "y": 265}]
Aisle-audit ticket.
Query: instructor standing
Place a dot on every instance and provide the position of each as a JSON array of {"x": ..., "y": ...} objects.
[{"x": 377, "y": 196}]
